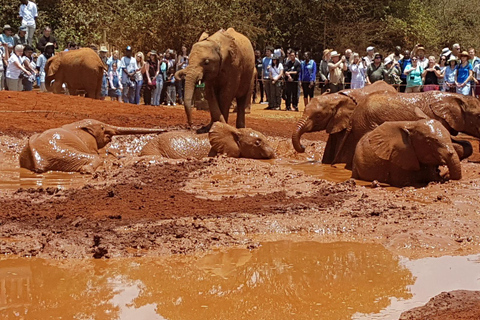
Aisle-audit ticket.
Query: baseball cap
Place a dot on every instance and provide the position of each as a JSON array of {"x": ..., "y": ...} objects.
[
  {"x": 129, "y": 48},
  {"x": 22, "y": 28}
]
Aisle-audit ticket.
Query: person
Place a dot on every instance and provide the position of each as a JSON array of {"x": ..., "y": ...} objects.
[
  {"x": 308, "y": 74},
  {"x": 292, "y": 72},
  {"x": 376, "y": 70},
  {"x": 396, "y": 56},
  {"x": 266, "y": 62},
  {"x": 347, "y": 75},
  {"x": 171, "y": 94},
  {"x": 431, "y": 75},
  {"x": 276, "y": 83},
  {"x": 115, "y": 90},
  {"x": 102, "y": 53},
  {"x": 456, "y": 51},
  {"x": 464, "y": 75},
  {"x": 20, "y": 37},
  {"x": 71, "y": 46},
  {"x": 15, "y": 68},
  {"x": 42, "y": 61},
  {"x": 29, "y": 64},
  {"x": 6, "y": 36},
  {"x": 419, "y": 52},
  {"x": 113, "y": 59},
  {"x": 474, "y": 61},
  {"x": 403, "y": 64},
  {"x": 450, "y": 75},
  {"x": 443, "y": 67},
  {"x": 414, "y": 76},
  {"x": 4, "y": 55},
  {"x": 141, "y": 68},
  {"x": 128, "y": 66},
  {"x": 446, "y": 53},
  {"x": 370, "y": 57},
  {"x": 357, "y": 67},
  {"x": 392, "y": 72},
  {"x": 163, "y": 74},
  {"x": 182, "y": 63},
  {"x": 28, "y": 12},
  {"x": 323, "y": 70},
  {"x": 336, "y": 68},
  {"x": 46, "y": 38},
  {"x": 150, "y": 77},
  {"x": 258, "y": 80}
]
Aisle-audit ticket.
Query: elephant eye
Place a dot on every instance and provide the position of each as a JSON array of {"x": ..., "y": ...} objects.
[
  {"x": 206, "y": 61},
  {"x": 258, "y": 143}
]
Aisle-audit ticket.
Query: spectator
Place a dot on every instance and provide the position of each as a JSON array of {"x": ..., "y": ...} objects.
[
  {"x": 403, "y": 64},
  {"x": 370, "y": 57},
  {"x": 4, "y": 55},
  {"x": 73, "y": 46},
  {"x": 414, "y": 76},
  {"x": 456, "y": 51},
  {"x": 396, "y": 56},
  {"x": 474, "y": 61},
  {"x": 348, "y": 74},
  {"x": 171, "y": 94},
  {"x": 163, "y": 74},
  {"x": 443, "y": 67},
  {"x": 115, "y": 91},
  {"x": 376, "y": 70},
  {"x": 169, "y": 58},
  {"x": 308, "y": 74},
  {"x": 476, "y": 73},
  {"x": 29, "y": 64},
  {"x": 15, "y": 68},
  {"x": 46, "y": 38},
  {"x": 42, "y": 61},
  {"x": 450, "y": 74},
  {"x": 446, "y": 53},
  {"x": 128, "y": 67},
  {"x": 113, "y": 59},
  {"x": 28, "y": 13},
  {"x": 150, "y": 77},
  {"x": 266, "y": 62},
  {"x": 419, "y": 52},
  {"x": 292, "y": 73},
  {"x": 20, "y": 38},
  {"x": 6, "y": 36},
  {"x": 392, "y": 72},
  {"x": 276, "y": 84},
  {"x": 357, "y": 67},
  {"x": 431, "y": 75},
  {"x": 102, "y": 53},
  {"x": 323, "y": 70},
  {"x": 258, "y": 79},
  {"x": 464, "y": 75},
  {"x": 182, "y": 63},
  {"x": 336, "y": 68},
  {"x": 141, "y": 68}
]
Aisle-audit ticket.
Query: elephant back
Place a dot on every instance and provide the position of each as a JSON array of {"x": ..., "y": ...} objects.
[{"x": 178, "y": 145}]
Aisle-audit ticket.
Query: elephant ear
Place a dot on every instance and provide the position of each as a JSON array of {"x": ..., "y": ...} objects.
[
  {"x": 204, "y": 36},
  {"x": 342, "y": 115},
  {"x": 228, "y": 48},
  {"x": 52, "y": 66},
  {"x": 391, "y": 142},
  {"x": 450, "y": 109},
  {"x": 224, "y": 139}
]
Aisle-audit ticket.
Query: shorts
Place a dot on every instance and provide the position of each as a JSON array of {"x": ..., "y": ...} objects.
[{"x": 307, "y": 90}]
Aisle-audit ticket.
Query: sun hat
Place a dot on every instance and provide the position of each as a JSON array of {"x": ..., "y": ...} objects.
[
  {"x": 463, "y": 54},
  {"x": 7, "y": 27},
  {"x": 370, "y": 48},
  {"x": 103, "y": 49},
  {"x": 326, "y": 51},
  {"x": 377, "y": 54},
  {"x": 153, "y": 52},
  {"x": 452, "y": 59},
  {"x": 387, "y": 60},
  {"x": 335, "y": 54},
  {"x": 446, "y": 52},
  {"x": 49, "y": 44},
  {"x": 421, "y": 47}
]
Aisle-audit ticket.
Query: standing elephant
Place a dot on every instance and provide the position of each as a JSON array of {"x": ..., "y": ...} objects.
[
  {"x": 221, "y": 139},
  {"x": 72, "y": 147},
  {"x": 225, "y": 62},
  {"x": 80, "y": 69},
  {"x": 348, "y": 125},
  {"x": 405, "y": 153}
]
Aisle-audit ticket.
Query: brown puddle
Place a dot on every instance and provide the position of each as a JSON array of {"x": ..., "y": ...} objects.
[
  {"x": 279, "y": 280},
  {"x": 14, "y": 178}
]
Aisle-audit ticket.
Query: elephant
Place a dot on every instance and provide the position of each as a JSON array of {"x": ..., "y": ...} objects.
[
  {"x": 72, "y": 147},
  {"x": 221, "y": 139},
  {"x": 406, "y": 153},
  {"x": 80, "y": 69},
  {"x": 225, "y": 62},
  {"x": 347, "y": 123}
]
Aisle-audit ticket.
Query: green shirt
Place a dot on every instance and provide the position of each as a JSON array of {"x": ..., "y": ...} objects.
[{"x": 375, "y": 73}]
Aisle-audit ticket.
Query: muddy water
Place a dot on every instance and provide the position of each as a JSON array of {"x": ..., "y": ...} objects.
[
  {"x": 14, "y": 178},
  {"x": 279, "y": 280}
]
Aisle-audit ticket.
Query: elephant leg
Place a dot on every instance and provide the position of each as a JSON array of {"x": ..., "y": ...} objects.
[
  {"x": 330, "y": 148},
  {"x": 57, "y": 86},
  {"x": 463, "y": 148},
  {"x": 215, "y": 113},
  {"x": 242, "y": 104}
]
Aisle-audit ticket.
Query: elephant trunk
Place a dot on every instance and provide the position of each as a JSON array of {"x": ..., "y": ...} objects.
[
  {"x": 191, "y": 79},
  {"x": 179, "y": 74},
  {"x": 454, "y": 167},
  {"x": 133, "y": 130},
  {"x": 304, "y": 125}
]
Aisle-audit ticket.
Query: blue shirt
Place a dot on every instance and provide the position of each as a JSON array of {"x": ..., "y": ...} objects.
[
  {"x": 5, "y": 39},
  {"x": 404, "y": 63},
  {"x": 463, "y": 72},
  {"x": 309, "y": 71},
  {"x": 450, "y": 74},
  {"x": 267, "y": 61}
]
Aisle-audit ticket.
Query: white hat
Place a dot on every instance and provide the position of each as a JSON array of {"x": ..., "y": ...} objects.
[
  {"x": 335, "y": 54},
  {"x": 446, "y": 52},
  {"x": 387, "y": 60},
  {"x": 370, "y": 48}
]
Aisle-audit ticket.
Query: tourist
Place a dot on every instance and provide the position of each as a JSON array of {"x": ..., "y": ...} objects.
[
  {"x": 150, "y": 77},
  {"x": 323, "y": 70},
  {"x": 276, "y": 84},
  {"x": 4, "y": 55},
  {"x": 450, "y": 75},
  {"x": 42, "y": 61},
  {"x": 464, "y": 75},
  {"x": 29, "y": 64},
  {"x": 292, "y": 72},
  {"x": 419, "y": 52},
  {"x": 46, "y": 38},
  {"x": 392, "y": 72},
  {"x": 182, "y": 63},
  {"x": 455, "y": 51},
  {"x": 266, "y": 62},
  {"x": 396, "y": 56},
  {"x": 171, "y": 94},
  {"x": 141, "y": 68},
  {"x": 431, "y": 75},
  {"x": 446, "y": 53},
  {"x": 115, "y": 91},
  {"x": 336, "y": 67},
  {"x": 443, "y": 67},
  {"x": 403, "y": 64},
  {"x": 20, "y": 37},
  {"x": 258, "y": 79},
  {"x": 127, "y": 67},
  {"x": 28, "y": 13},
  {"x": 376, "y": 70},
  {"x": 414, "y": 76},
  {"x": 370, "y": 57},
  {"x": 15, "y": 68},
  {"x": 163, "y": 74},
  {"x": 357, "y": 67},
  {"x": 308, "y": 74},
  {"x": 113, "y": 59},
  {"x": 6, "y": 36},
  {"x": 347, "y": 75}
]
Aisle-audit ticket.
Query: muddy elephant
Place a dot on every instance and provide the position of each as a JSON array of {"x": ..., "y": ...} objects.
[
  {"x": 405, "y": 153},
  {"x": 72, "y": 147},
  {"x": 225, "y": 62},
  {"x": 221, "y": 139},
  {"x": 347, "y": 124},
  {"x": 80, "y": 69}
]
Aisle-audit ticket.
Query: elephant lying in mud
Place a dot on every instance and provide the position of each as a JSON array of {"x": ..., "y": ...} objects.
[
  {"x": 405, "y": 153},
  {"x": 221, "y": 139},
  {"x": 347, "y": 124},
  {"x": 72, "y": 147}
]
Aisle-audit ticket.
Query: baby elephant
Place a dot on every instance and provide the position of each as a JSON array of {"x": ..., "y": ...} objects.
[
  {"x": 221, "y": 139},
  {"x": 405, "y": 153},
  {"x": 72, "y": 147}
]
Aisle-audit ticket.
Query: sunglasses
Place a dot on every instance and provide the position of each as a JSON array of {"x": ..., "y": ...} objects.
[
  {"x": 414, "y": 59},
  {"x": 378, "y": 57}
]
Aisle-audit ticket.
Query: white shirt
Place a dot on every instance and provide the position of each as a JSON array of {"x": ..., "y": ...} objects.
[
  {"x": 2, "y": 54},
  {"x": 41, "y": 62},
  {"x": 275, "y": 71},
  {"x": 28, "y": 12},
  {"x": 476, "y": 71},
  {"x": 130, "y": 64},
  {"x": 13, "y": 72}
]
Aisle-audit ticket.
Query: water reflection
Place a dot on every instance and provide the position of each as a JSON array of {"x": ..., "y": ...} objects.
[{"x": 282, "y": 280}]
